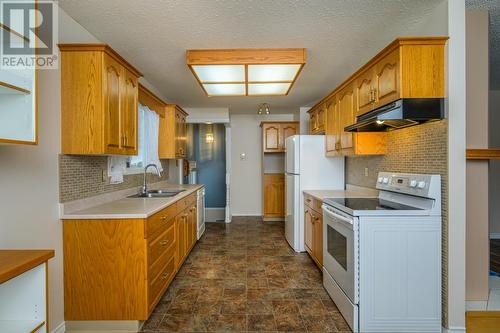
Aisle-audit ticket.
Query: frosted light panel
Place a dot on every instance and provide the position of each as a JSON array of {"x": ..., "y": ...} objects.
[
  {"x": 220, "y": 73},
  {"x": 225, "y": 89},
  {"x": 268, "y": 88},
  {"x": 267, "y": 73}
]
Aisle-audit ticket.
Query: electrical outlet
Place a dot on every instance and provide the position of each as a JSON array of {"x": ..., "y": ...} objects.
[{"x": 366, "y": 172}]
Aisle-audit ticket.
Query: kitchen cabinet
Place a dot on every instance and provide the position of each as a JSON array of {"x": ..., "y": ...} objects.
[
  {"x": 313, "y": 229},
  {"x": 274, "y": 135},
  {"x": 99, "y": 101},
  {"x": 118, "y": 269},
  {"x": 274, "y": 196},
  {"x": 317, "y": 119},
  {"x": 409, "y": 67},
  {"x": 173, "y": 131}
]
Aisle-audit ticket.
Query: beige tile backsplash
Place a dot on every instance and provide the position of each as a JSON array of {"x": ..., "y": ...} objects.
[
  {"x": 417, "y": 149},
  {"x": 81, "y": 177}
]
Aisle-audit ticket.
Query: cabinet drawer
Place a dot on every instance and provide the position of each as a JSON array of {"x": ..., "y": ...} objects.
[
  {"x": 160, "y": 283},
  {"x": 313, "y": 203},
  {"x": 161, "y": 244},
  {"x": 156, "y": 267},
  {"x": 160, "y": 221},
  {"x": 186, "y": 202}
]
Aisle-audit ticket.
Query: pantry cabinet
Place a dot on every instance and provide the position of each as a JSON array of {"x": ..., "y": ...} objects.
[
  {"x": 274, "y": 135},
  {"x": 118, "y": 269},
  {"x": 411, "y": 67},
  {"x": 99, "y": 101},
  {"x": 313, "y": 229},
  {"x": 274, "y": 196}
]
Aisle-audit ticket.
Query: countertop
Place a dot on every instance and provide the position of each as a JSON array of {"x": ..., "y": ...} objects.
[
  {"x": 350, "y": 192},
  {"x": 131, "y": 208},
  {"x": 16, "y": 262}
]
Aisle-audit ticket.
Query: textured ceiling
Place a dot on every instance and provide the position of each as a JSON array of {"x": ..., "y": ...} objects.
[
  {"x": 340, "y": 35},
  {"x": 493, "y": 6}
]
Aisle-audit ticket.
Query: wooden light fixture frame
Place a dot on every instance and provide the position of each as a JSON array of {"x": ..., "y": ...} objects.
[{"x": 246, "y": 57}]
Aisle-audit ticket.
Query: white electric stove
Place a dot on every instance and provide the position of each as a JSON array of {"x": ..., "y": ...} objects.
[{"x": 382, "y": 256}]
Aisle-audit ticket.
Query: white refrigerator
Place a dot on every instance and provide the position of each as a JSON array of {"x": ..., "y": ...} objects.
[{"x": 307, "y": 168}]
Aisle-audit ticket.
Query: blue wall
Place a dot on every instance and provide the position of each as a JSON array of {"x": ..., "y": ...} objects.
[{"x": 210, "y": 159}]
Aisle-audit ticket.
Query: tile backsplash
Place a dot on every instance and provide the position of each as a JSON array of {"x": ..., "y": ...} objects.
[
  {"x": 82, "y": 177},
  {"x": 417, "y": 149}
]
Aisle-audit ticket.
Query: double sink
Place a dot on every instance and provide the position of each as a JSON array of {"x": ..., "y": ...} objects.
[{"x": 157, "y": 194}]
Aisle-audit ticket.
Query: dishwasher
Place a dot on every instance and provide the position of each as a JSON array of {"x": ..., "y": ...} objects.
[{"x": 201, "y": 212}]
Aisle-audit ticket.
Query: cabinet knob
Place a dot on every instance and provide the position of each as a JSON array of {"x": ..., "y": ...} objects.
[
  {"x": 163, "y": 243},
  {"x": 163, "y": 218}
]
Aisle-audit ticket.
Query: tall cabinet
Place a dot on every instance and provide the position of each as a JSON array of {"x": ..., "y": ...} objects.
[{"x": 274, "y": 135}]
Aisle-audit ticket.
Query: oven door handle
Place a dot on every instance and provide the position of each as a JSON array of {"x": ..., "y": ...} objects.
[{"x": 334, "y": 215}]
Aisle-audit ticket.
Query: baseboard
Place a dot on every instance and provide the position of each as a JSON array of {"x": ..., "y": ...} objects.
[
  {"x": 246, "y": 215},
  {"x": 453, "y": 330},
  {"x": 61, "y": 328},
  {"x": 495, "y": 235},
  {"x": 104, "y": 326},
  {"x": 215, "y": 214}
]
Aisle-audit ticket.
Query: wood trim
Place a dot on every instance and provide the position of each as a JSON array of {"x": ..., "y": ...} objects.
[
  {"x": 278, "y": 122},
  {"x": 483, "y": 154},
  {"x": 15, "y": 262},
  {"x": 103, "y": 48},
  {"x": 149, "y": 99},
  {"x": 436, "y": 40},
  {"x": 16, "y": 88},
  {"x": 482, "y": 321},
  {"x": 246, "y": 56}
]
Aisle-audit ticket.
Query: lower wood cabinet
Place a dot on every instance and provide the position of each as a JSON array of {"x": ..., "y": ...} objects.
[
  {"x": 118, "y": 269},
  {"x": 274, "y": 196},
  {"x": 313, "y": 229}
]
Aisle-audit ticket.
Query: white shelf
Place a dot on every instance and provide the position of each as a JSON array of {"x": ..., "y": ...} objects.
[{"x": 20, "y": 326}]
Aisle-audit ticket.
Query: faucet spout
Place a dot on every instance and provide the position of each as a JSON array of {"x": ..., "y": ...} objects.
[{"x": 145, "y": 183}]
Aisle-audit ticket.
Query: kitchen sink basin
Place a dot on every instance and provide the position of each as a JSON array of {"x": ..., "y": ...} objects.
[{"x": 157, "y": 194}]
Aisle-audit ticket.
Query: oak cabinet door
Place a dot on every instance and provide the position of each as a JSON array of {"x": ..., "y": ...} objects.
[
  {"x": 346, "y": 111},
  {"x": 313, "y": 122},
  {"x": 321, "y": 115},
  {"x": 308, "y": 230},
  {"x": 180, "y": 225},
  {"x": 113, "y": 79},
  {"x": 271, "y": 138},
  {"x": 332, "y": 129},
  {"x": 274, "y": 195},
  {"x": 387, "y": 88},
  {"x": 129, "y": 113},
  {"x": 364, "y": 92},
  {"x": 287, "y": 130},
  {"x": 318, "y": 238}
]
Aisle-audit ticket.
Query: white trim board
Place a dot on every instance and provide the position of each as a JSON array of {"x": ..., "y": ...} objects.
[
  {"x": 61, "y": 328},
  {"x": 494, "y": 235},
  {"x": 453, "y": 330}
]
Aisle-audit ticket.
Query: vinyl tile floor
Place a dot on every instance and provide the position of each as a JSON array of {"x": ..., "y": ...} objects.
[{"x": 243, "y": 277}]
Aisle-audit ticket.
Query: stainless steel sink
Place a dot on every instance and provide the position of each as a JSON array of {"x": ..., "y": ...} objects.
[{"x": 157, "y": 194}]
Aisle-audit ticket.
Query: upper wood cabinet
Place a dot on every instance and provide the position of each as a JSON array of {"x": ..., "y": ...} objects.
[
  {"x": 98, "y": 101},
  {"x": 410, "y": 67},
  {"x": 274, "y": 135},
  {"x": 173, "y": 133},
  {"x": 317, "y": 119}
]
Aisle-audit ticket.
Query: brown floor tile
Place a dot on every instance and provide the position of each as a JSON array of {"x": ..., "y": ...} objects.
[
  {"x": 289, "y": 323},
  {"x": 285, "y": 306},
  {"x": 227, "y": 323},
  {"x": 259, "y": 307},
  {"x": 261, "y": 323},
  {"x": 311, "y": 307},
  {"x": 234, "y": 307}
]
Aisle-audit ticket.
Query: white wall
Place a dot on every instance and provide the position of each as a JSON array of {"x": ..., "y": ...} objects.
[
  {"x": 29, "y": 178},
  {"x": 246, "y": 175},
  {"x": 203, "y": 115}
]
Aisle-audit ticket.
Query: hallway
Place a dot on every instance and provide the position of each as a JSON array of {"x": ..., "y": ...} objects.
[{"x": 243, "y": 277}]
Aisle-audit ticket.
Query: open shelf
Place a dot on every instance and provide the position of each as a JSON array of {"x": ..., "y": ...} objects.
[
  {"x": 7, "y": 88},
  {"x": 483, "y": 154},
  {"x": 20, "y": 326}
]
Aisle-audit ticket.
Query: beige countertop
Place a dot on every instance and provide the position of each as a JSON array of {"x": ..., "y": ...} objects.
[
  {"x": 130, "y": 208},
  {"x": 350, "y": 192}
]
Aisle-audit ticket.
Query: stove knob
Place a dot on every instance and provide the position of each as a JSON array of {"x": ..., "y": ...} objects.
[
  {"x": 413, "y": 183},
  {"x": 380, "y": 179},
  {"x": 386, "y": 180},
  {"x": 421, "y": 184}
]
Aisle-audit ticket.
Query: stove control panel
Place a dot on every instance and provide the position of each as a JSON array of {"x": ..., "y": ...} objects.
[{"x": 415, "y": 184}]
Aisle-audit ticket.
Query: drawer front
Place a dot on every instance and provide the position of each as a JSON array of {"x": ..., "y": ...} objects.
[
  {"x": 156, "y": 268},
  {"x": 313, "y": 203},
  {"x": 186, "y": 202},
  {"x": 160, "y": 221},
  {"x": 158, "y": 286},
  {"x": 161, "y": 244}
]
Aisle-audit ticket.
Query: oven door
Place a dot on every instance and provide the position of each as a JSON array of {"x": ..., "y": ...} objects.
[{"x": 340, "y": 250}]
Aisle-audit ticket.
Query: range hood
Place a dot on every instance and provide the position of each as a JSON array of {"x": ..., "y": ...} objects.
[{"x": 401, "y": 113}]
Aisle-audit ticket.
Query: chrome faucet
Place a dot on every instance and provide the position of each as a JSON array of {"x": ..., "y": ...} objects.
[{"x": 145, "y": 184}]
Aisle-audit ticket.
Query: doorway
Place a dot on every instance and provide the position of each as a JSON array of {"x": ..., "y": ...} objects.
[{"x": 206, "y": 153}]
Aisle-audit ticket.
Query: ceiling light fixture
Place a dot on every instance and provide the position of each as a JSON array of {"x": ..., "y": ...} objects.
[
  {"x": 246, "y": 72},
  {"x": 264, "y": 108}
]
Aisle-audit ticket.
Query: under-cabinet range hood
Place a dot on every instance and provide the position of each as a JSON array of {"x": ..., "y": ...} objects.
[{"x": 401, "y": 113}]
